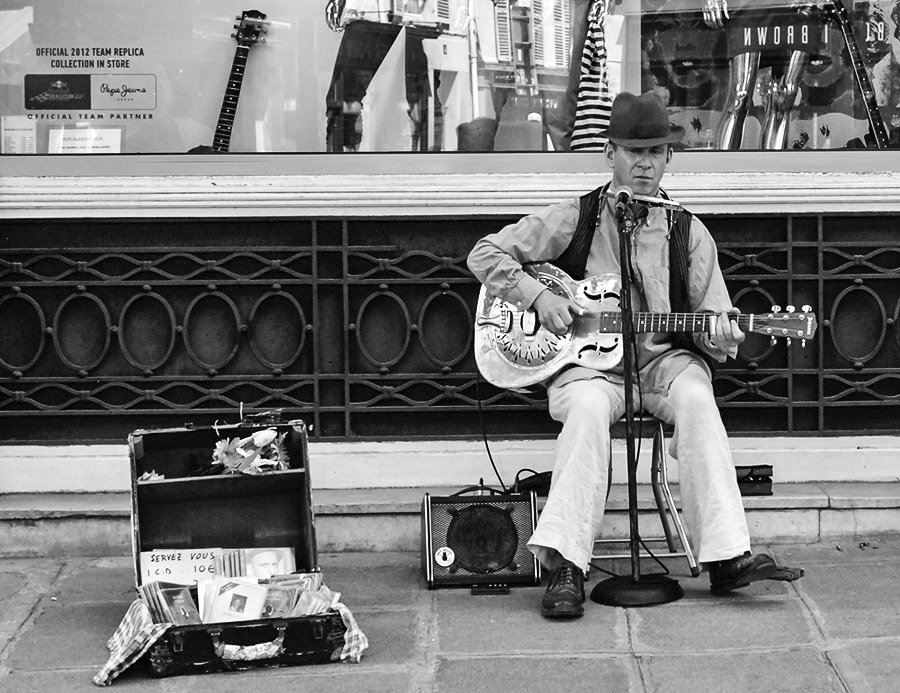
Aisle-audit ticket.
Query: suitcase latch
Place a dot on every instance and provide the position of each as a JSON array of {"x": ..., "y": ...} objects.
[{"x": 177, "y": 641}]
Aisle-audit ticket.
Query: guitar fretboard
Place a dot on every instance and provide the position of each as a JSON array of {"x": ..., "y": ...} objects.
[
  {"x": 667, "y": 322},
  {"x": 222, "y": 138},
  {"x": 876, "y": 122}
]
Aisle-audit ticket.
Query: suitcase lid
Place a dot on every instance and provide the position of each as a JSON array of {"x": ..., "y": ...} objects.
[{"x": 184, "y": 511}]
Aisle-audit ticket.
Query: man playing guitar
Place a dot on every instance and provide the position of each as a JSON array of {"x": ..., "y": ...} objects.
[{"x": 674, "y": 380}]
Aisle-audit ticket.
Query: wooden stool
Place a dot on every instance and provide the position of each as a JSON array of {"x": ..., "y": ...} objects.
[{"x": 665, "y": 505}]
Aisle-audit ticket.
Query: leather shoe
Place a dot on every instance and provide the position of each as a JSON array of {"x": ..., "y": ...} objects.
[
  {"x": 565, "y": 593},
  {"x": 740, "y": 571}
]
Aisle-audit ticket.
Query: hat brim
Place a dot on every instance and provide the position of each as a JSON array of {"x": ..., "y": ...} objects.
[{"x": 676, "y": 134}]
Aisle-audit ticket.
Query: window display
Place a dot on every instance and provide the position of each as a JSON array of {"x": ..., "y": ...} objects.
[{"x": 420, "y": 76}]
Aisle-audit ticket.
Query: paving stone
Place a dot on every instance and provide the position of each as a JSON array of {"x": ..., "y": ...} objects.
[
  {"x": 837, "y": 551},
  {"x": 801, "y": 670},
  {"x": 364, "y": 533},
  {"x": 861, "y": 522},
  {"x": 783, "y": 525},
  {"x": 81, "y": 679},
  {"x": 790, "y": 496},
  {"x": 512, "y": 623},
  {"x": 839, "y": 625},
  {"x": 320, "y": 678},
  {"x": 855, "y": 601},
  {"x": 22, "y": 583},
  {"x": 720, "y": 623},
  {"x": 67, "y": 636},
  {"x": 38, "y": 573},
  {"x": 374, "y": 580},
  {"x": 698, "y": 589},
  {"x": 877, "y": 662},
  {"x": 506, "y": 674},
  {"x": 97, "y": 580},
  {"x": 14, "y": 604},
  {"x": 66, "y": 536},
  {"x": 393, "y": 635},
  {"x": 847, "y": 494},
  {"x": 11, "y": 582},
  {"x": 72, "y": 681}
]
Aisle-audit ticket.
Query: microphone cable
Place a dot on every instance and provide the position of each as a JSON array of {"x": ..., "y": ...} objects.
[{"x": 484, "y": 437}]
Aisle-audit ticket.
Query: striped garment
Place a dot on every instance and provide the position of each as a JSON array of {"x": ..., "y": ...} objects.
[{"x": 594, "y": 100}]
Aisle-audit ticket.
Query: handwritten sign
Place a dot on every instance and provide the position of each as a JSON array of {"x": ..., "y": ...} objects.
[{"x": 181, "y": 566}]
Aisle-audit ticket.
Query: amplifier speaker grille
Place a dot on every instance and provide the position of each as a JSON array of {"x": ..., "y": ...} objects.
[{"x": 478, "y": 540}]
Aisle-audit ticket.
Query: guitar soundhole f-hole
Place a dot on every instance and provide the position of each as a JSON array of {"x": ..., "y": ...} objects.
[{"x": 530, "y": 323}]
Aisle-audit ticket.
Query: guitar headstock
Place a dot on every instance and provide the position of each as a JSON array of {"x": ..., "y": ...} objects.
[
  {"x": 836, "y": 9},
  {"x": 791, "y": 324},
  {"x": 250, "y": 29}
]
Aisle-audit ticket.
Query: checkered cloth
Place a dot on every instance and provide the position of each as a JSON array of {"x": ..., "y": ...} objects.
[
  {"x": 355, "y": 641},
  {"x": 137, "y": 633},
  {"x": 594, "y": 104}
]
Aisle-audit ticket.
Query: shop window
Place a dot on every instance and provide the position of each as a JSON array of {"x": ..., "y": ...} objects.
[{"x": 423, "y": 76}]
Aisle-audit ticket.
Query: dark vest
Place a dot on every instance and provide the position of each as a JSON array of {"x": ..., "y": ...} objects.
[{"x": 573, "y": 259}]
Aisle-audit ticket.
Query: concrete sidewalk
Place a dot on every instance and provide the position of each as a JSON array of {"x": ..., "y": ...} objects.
[{"x": 837, "y": 629}]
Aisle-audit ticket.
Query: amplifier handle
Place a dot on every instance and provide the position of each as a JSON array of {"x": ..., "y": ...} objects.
[
  {"x": 246, "y": 653},
  {"x": 473, "y": 489}
]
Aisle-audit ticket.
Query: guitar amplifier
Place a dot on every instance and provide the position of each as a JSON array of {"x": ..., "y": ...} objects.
[{"x": 470, "y": 540}]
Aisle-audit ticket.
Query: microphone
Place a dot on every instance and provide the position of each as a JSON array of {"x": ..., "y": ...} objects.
[
  {"x": 623, "y": 197},
  {"x": 645, "y": 199}
]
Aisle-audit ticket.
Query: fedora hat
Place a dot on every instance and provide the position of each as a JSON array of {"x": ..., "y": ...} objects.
[{"x": 641, "y": 121}]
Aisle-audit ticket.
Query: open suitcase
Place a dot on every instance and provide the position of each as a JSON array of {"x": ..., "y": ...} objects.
[{"x": 186, "y": 511}]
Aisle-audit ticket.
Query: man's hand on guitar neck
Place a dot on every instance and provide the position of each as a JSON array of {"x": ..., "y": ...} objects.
[
  {"x": 724, "y": 333},
  {"x": 555, "y": 312}
]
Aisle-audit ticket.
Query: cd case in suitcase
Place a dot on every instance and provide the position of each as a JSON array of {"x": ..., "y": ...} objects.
[{"x": 180, "y": 502}]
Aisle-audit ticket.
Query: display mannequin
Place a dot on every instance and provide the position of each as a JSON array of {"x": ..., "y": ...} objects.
[{"x": 783, "y": 37}]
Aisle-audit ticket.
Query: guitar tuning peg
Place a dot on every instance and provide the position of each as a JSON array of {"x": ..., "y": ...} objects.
[
  {"x": 776, "y": 309},
  {"x": 773, "y": 341},
  {"x": 788, "y": 341},
  {"x": 802, "y": 343},
  {"x": 806, "y": 308},
  {"x": 790, "y": 309}
]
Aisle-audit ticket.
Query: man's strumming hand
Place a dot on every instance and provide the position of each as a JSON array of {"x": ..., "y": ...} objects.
[{"x": 554, "y": 312}]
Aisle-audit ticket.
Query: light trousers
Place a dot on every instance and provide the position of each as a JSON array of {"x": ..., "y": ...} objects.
[{"x": 711, "y": 501}]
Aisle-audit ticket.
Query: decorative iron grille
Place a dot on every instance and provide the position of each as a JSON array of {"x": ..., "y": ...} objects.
[{"x": 364, "y": 327}]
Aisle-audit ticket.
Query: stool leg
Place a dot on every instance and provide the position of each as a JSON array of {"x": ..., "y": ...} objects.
[
  {"x": 660, "y": 456},
  {"x": 656, "y": 463}
]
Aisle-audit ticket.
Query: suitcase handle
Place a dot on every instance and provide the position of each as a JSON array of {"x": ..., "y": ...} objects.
[{"x": 248, "y": 653}]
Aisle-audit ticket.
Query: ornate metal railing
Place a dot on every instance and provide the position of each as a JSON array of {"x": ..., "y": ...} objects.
[{"x": 364, "y": 327}]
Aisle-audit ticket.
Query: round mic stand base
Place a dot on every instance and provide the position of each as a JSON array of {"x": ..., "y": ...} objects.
[{"x": 647, "y": 590}]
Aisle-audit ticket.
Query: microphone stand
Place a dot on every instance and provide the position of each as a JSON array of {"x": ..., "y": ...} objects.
[{"x": 634, "y": 589}]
